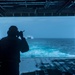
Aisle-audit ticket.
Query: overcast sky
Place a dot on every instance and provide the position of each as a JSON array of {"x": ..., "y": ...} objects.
[{"x": 40, "y": 27}]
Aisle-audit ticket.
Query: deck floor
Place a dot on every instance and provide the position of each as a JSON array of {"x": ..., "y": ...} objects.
[{"x": 47, "y": 66}]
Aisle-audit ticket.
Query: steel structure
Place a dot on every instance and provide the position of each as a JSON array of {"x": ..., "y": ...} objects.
[{"x": 37, "y": 8}]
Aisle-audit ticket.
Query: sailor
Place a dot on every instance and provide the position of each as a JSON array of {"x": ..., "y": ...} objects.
[{"x": 10, "y": 48}]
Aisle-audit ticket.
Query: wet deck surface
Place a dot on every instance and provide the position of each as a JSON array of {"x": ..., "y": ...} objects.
[{"x": 47, "y": 66}]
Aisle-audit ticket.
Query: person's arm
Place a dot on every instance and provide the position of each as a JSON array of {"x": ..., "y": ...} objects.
[{"x": 24, "y": 44}]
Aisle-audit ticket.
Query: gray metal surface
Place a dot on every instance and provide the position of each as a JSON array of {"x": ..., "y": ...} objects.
[{"x": 49, "y": 66}]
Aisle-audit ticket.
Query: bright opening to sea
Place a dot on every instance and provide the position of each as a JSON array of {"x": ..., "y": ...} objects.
[{"x": 54, "y": 47}]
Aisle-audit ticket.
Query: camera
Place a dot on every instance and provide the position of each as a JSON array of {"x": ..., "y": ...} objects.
[{"x": 20, "y": 33}]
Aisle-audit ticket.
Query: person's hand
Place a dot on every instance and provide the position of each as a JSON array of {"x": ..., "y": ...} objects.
[{"x": 21, "y": 34}]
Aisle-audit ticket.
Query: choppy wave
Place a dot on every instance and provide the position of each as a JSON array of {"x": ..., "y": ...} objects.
[
  {"x": 51, "y": 48},
  {"x": 46, "y": 53}
]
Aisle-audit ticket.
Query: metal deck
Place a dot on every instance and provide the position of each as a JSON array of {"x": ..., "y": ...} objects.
[{"x": 48, "y": 66}]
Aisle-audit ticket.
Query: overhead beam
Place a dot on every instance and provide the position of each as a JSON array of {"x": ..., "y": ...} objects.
[
  {"x": 23, "y": 3},
  {"x": 39, "y": 14},
  {"x": 63, "y": 6},
  {"x": 72, "y": 3},
  {"x": 2, "y": 11},
  {"x": 16, "y": 0},
  {"x": 40, "y": 10},
  {"x": 48, "y": 3}
]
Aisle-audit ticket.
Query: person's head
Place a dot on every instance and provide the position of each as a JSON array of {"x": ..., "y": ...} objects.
[{"x": 13, "y": 31}]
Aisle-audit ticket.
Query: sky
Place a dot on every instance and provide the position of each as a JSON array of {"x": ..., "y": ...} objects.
[{"x": 40, "y": 27}]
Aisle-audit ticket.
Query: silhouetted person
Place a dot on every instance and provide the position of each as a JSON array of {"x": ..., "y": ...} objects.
[{"x": 10, "y": 48}]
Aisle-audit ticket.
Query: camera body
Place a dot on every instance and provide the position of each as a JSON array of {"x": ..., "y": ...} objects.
[{"x": 20, "y": 34}]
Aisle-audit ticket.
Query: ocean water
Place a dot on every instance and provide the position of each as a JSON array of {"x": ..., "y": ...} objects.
[{"x": 50, "y": 48}]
